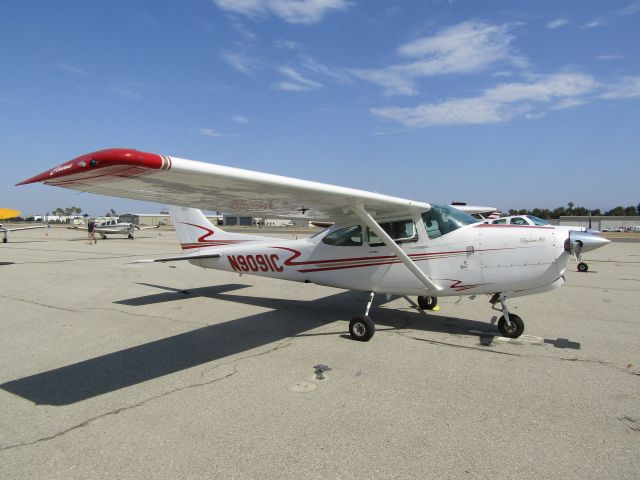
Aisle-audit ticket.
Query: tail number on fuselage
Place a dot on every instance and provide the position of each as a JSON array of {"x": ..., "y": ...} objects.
[{"x": 255, "y": 263}]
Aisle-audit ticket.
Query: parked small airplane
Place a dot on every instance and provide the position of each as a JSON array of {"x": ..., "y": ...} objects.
[
  {"x": 532, "y": 220},
  {"x": 378, "y": 244},
  {"x": 6, "y": 213},
  {"x": 113, "y": 227}
]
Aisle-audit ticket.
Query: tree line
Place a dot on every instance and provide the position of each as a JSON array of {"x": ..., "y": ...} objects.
[{"x": 572, "y": 210}]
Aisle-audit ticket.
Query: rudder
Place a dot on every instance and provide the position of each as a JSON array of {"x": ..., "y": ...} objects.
[{"x": 196, "y": 232}]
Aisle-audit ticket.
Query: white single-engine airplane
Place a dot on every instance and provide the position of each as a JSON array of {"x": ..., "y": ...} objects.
[
  {"x": 378, "y": 244},
  {"x": 113, "y": 227},
  {"x": 6, "y": 213}
]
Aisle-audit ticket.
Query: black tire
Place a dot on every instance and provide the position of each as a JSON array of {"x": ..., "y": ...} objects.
[
  {"x": 130, "y": 237},
  {"x": 427, "y": 303},
  {"x": 583, "y": 267},
  {"x": 517, "y": 326},
  {"x": 5, "y": 240},
  {"x": 104, "y": 237},
  {"x": 362, "y": 328}
]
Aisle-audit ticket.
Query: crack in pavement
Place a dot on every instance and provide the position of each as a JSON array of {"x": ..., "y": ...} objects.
[
  {"x": 523, "y": 355},
  {"x": 89, "y": 421},
  {"x": 142, "y": 315},
  {"x": 32, "y": 302},
  {"x": 117, "y": 411},
  {"x": 468, "y": 347}
]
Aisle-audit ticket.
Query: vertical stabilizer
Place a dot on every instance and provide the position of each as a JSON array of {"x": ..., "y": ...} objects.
[{"x": 196, "y": 232}]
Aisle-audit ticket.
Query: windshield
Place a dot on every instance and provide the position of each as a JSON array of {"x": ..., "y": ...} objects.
[
  {"x": 537, "y": 221},
  {"x": 442, "y": 219}
]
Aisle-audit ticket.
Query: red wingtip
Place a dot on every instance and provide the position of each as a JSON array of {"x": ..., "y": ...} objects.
[{"x": 113, "y": 157}]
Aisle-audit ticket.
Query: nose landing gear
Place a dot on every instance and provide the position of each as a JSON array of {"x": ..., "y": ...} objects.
[{"x": 510, "y": 325}]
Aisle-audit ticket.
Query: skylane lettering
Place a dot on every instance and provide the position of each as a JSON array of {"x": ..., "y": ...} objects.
[{"x": 255, "y": 263}]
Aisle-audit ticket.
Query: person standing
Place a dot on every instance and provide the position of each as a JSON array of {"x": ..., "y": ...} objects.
[{"x": 91, "y": 227}]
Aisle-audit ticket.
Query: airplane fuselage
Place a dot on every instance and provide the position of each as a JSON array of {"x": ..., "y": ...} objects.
[{"x": 472, "y": 260}]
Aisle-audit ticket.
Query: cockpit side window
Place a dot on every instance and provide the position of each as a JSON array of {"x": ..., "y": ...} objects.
[
  {"x": 401, "y": 231},
  {"x": 500, "y": 220},
  {"x": 518, "y": 221},
  {"x": 345, "y": 237},
  {"x": 440, "y": 220}
]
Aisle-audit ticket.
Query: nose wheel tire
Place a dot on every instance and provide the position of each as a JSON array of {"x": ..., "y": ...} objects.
[
  {"x": 511, "y": 331},
  {"x": 427, "y": 303},
  {"x": 583, "y": 267},
  {"x": 362, "y": 328}
]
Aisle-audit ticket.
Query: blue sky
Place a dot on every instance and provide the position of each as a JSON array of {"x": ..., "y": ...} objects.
[{"x": 505, "y": 103}]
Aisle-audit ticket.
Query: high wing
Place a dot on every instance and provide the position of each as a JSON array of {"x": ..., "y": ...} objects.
[
  {"x": 475, "y": 209},
  {"x": 111, "y": 230},
  {"x": 2, "y": 229},
  {"x": 158, "y": 178}
]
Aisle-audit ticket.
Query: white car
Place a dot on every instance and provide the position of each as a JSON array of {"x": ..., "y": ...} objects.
[{"x": 519, "y": 220}]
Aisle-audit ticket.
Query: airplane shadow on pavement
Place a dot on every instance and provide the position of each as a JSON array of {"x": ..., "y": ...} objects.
[{"x": 285, "y": 318}]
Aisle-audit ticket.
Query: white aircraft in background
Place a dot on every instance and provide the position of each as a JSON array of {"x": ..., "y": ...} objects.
[
  {"x": 6, "y": 213},
  {"x": 532, "y": 220},
  {"x": 113, "y": 227},
  {"x": 378, "y": 244},
  {"x": 476, "y": 210}
]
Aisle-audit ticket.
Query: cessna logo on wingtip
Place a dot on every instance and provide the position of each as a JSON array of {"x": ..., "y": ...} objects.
[{"x": 60, "y": 168}]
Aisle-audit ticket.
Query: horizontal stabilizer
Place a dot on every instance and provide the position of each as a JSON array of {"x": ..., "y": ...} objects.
[{"x": 200, "y": 256}]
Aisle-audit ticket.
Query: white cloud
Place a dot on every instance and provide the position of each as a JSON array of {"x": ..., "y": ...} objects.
[
  {"x": 241, "y": 62},
  {"x": 211, "y": 133},
  {"x": 131, "y": 90},
  {"x": 240, "y": 119},
  {"x": 335, "y": 74},
  {"x": 560, "y": 22},
  {"x": 628, "y": 87},
  {"x": 8, "y": 100},
  {"x": 497, "y": 104},
  {"x": 612, "y": 56},
  {"x": 284, "y": 44},
  {"x": 291, "y": 11},
  {"x": 296, "y": 81},
  {"x": 240, "y": 27},
  {"x": 67, "y": 67},
  {"x": 631, "y": 9},
  {"x": 463, "y": 48}
]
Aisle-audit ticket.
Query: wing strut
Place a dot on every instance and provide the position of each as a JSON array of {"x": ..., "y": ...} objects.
[{"x": 388, "y": 241}]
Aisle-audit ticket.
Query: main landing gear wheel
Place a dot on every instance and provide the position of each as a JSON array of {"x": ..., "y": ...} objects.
[
  {"x": 5, "y": 240},
  {"x": 583, "y": 267},
  {"x": 511, "y": 331},
  {"x": 362, "y": 328},
  {"x": 130, "y": 237},
  {"x": 427, "y": 303}
]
